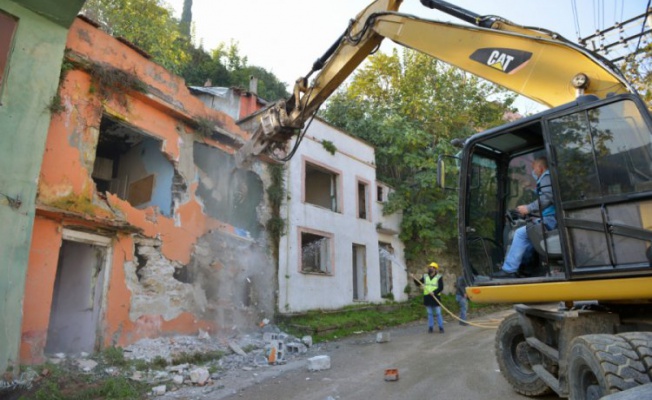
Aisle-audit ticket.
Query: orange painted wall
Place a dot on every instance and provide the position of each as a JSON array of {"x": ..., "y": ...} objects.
[
  {"x": 67, "y": 196},
  {"x": 44, "y": 254}
]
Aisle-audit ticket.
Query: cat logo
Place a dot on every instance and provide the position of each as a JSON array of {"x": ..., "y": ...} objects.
[{"x": 505, "y": 60}]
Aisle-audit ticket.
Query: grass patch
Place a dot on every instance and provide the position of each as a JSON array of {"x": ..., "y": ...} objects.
[
  {"x": 114, "y": 356},
  {"x": 197, "y": 358},
  {"x": 70, "y": 386},
  {"x": 328, "y": 325}
]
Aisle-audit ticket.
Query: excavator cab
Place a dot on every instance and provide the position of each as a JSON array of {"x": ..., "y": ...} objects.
[{"x": 599, "y": 153}]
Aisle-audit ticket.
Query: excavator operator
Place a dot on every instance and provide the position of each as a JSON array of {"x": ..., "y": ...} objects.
[{"x": 521, "y": 246}]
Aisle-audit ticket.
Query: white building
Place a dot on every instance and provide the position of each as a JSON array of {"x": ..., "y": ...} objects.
[{"x": 338, "y": 248}]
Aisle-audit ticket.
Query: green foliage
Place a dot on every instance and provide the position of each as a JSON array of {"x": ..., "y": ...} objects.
[
  {"x": 202, "y": 67},
  {"x": 159, "y": 363},
  {"x": 68, "y": 386},
  {"x": 329, "y": 146},
  {"x": 332, "y": 324},
  {"x": 204, "y": 127},
  {"x": 638, "y": 70},
  {"x": 114, "y": 356},
  {"x": 240, "y": 73},
  {"x": 275, "y": 194},
  {"x": 198, "y": 358},
  {"x": 410, "y": 106},
  {"x": 149, "y": 24},
  {"x": 114, "y": 82},
  {"x": 56, "y": 106}
]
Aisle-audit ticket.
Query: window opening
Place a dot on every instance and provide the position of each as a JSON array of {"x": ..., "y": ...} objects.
[
  {"x": 321, "y": 187},
  {"x": 130, "y": 164},
  {"x": 315, "y": 253},
  {"x": 362, "y": 200}
]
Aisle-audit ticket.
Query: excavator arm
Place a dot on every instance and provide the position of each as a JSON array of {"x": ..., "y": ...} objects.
[{"x": 532, "y": 62}]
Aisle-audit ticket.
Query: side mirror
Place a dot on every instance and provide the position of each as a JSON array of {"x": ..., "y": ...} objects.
[{"x": 448, "y": 172}]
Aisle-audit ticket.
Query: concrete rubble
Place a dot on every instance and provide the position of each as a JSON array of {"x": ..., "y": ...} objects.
[{"x": 224, "y": 362}]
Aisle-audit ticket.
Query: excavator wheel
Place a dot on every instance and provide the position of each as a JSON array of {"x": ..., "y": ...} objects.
[
  {"x": 602, "y": 364},
  {"x": 512, "y": 356},
  {"x": 641, "y": 343}
]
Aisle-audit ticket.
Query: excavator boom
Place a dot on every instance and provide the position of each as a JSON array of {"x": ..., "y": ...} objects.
[{"x": 535, "y": 63}]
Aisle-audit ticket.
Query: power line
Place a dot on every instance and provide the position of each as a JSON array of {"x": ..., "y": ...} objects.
[{"x": 614, "y": 42}]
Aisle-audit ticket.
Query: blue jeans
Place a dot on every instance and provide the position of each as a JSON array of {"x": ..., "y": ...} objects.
[
  {"x": 431, "y": 320},
  {"x": 462, "y": 301},
  {"x": 521, "y": 245}
]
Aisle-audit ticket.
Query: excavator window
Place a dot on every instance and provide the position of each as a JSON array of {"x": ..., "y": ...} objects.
[{"x": 604, "y": 170}]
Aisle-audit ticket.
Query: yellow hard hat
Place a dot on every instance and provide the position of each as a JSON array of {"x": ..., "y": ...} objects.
[{"x": 434, "y": 265}]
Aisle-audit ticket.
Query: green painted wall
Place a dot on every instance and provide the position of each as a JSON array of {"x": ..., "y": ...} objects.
[{"x": 30, "y": 83}]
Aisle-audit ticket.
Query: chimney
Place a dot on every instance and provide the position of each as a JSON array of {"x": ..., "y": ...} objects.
[
  {"x": 208, "y": 83},
  {"x": 253, "y": 85}
]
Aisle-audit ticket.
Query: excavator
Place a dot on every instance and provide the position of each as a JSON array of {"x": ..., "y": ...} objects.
[{"x": 582, "y": 326}]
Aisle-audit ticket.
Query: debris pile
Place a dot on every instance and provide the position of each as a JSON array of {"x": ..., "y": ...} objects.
[{"x": 170, "y": 364}]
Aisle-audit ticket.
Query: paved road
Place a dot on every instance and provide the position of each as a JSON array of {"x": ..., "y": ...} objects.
[{"x": 456, "y": 365}]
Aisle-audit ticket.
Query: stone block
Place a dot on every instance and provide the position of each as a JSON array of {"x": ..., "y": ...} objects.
[
  {"x": 296, "y": 348},
  {"x": 383, "y": 337},
  {"x": 319, "y": 363}
]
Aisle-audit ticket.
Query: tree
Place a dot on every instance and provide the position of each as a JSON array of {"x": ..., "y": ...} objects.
[
  {"x": 410, "y": 106},
  {"x": 148, "y": 24},
  {"x": 638, "y": 70},
  {"x": 269, "y": 87},
  {"x": 186, "y": 18}
]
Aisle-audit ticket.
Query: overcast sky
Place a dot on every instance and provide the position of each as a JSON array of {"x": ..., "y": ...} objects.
[{"x": 287, "y": 36}]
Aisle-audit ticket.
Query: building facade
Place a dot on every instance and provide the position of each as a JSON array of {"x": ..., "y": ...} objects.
[
  {"x": 144, "y": 226},
  {"x": 338, "y": 249},
  {"x": 29, "y": 30}
]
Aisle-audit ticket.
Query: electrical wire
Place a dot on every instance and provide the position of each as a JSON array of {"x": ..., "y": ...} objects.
[
  {"x": 576, "y": 19},
  {"x": 487, "y": 324},
  {"x": 647, "y": 12}
]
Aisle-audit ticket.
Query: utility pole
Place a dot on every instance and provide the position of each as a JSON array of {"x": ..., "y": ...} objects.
[{"x": 623, "y": 39}]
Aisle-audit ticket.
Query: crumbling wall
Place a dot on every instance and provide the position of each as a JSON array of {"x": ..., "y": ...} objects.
[
  {"x": 203, "y": 264},
  {"x": 154, "y": 287},
  {"x": 238, "y": 279}
]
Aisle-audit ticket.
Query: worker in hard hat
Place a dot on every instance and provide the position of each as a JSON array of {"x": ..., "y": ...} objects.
[{"x": 433, "y": 284}]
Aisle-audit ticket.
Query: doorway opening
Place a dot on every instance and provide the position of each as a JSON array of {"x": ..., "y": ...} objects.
[
  {"x": 79, "y": 290},
  {"x": 359, "y": 272}
]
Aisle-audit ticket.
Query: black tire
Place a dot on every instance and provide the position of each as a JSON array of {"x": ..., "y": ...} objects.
[
  {"x": 602, "y": 364},
  {"x": 641, "y": 342},
  {"x": 511, "y": 354}
]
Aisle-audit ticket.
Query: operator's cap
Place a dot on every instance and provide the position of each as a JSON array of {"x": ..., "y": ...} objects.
[{"x": 433, "y": 265}]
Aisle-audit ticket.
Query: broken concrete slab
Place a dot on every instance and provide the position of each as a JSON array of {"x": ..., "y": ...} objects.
[
  {"x": 383, "y": 337},
  {"x": 319, "y": 363},
  {"x": 199, "y": 376},
  {"x": 236, "y": 349}
]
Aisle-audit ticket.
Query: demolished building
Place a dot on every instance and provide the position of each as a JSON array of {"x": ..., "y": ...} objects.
[{"x": 144, "y": 225}]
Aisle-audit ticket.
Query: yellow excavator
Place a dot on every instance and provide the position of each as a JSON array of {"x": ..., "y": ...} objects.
[{"x": 596, "y": 265}]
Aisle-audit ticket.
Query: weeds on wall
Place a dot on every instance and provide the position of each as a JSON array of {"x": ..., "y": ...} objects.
[
  {"x": 275, "y": 193},
  {"x": 75, "y": 203},
  {"x": 114, "y": 83},
  {"x": 56, "y": 105},
  {"x": 329, "y": 146},
  {"x": 204, "y": 127}
]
